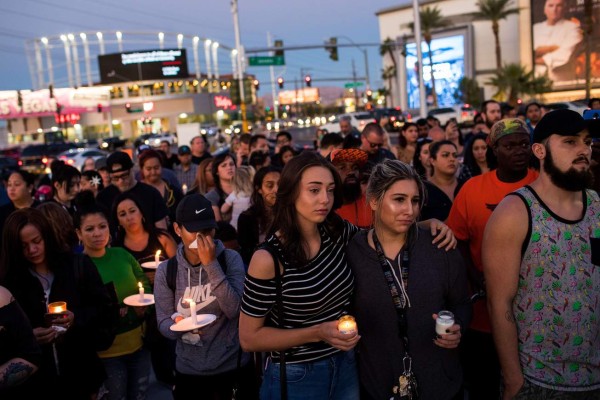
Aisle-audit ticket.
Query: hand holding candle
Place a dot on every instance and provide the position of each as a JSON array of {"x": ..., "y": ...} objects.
[
  {"x": 141, "y": 291},
  {"x": 157, "y": 258},
  {"x": 347, "y": 324}
]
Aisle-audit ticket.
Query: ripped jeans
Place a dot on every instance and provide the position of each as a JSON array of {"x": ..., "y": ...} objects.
[{"x": 128, "y": 376}]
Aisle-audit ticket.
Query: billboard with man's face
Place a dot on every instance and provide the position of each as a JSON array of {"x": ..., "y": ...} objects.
[{"x": 558, "y": 41}]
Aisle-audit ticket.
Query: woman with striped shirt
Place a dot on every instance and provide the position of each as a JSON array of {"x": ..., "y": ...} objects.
[{"x": 309, "y": 242}]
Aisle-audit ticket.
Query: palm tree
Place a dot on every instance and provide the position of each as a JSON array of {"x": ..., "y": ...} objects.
[
  {"x": 388, "y": 73},
  {"x": 387, "y": 48},
  {"x": 513, "y": 80},
  {"x": 431, "y": 20},
  {"x": 495, "y": 11}
]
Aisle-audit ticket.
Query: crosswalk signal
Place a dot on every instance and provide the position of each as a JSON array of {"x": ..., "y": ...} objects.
[
  {"x": 128, "y": 107},
  {"x": 331, "y": 47},
  {"x": 308, "y": 80},
  {"x": 256, "y": 84},
  {"x": 280, "y": 82}
]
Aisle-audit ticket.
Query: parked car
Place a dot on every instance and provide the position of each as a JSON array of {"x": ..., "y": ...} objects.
[
  {"x": 464, "y": 114},
  {"x": 112, "y": 143},
  {"x": 12, "y": 152},
  {"x": 396, "y": 117},
  {"x": 76, "y": 157},
  {"x": 357, "y": 119},
  {"x": 36, "y": 158}
]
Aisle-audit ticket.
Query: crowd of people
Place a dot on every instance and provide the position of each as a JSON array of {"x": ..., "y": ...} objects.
[{"x": 467, "y": 266}]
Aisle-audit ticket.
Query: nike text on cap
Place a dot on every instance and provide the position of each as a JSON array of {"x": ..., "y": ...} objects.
[{"x": 195, "y": 213}]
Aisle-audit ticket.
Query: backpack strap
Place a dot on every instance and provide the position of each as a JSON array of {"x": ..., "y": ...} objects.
[{"x": 172, "y": 269}]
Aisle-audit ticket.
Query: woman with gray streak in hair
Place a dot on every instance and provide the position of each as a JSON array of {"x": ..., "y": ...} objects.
[{"x": 396, "y": 260}]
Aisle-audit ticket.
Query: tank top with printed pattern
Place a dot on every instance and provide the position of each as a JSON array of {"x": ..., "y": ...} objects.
[{"x": 557, "y": 306}]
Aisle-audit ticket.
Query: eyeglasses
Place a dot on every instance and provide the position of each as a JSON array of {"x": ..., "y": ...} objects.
[
  {"x": 121, "y": 177},
  {"x": 374, "y": 145}
]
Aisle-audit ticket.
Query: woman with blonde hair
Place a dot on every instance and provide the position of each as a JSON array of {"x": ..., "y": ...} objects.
[{"x": 238, "y": 201}]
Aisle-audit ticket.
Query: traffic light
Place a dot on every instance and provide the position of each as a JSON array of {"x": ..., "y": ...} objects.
[
  {"x": 99, "y": 107},
  {"x": 280, "y": 82},
  {"x": 128, "y": 107},
  {"x": 331, "y": 47},
  {"x": 308, "y": 80},
  {"x": 51, "y": 90},
  {"x": 256, "y": 84},
  {"x": 19, "y": 98},
  {"x": 278, "y": 43},
  {"x": 369, "y": 94}
]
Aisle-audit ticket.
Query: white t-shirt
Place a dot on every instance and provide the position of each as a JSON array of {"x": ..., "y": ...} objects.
[
  {"x": 565, "y": 34},
  {"x": 239, "y": 203}
]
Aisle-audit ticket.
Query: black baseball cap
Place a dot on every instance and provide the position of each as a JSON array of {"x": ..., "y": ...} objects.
[
  {"x": 195, "y": 213},
  {"x": 563, "y": 122},
  {"x": 185, "y": 149},
  {"x": 118, "y": 161}
]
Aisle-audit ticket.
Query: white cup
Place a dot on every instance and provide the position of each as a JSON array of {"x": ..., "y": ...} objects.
[{"x": 443, "y": 322}]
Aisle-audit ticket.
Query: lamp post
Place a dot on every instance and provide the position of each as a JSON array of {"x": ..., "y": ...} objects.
[
  {"x": 417, "y": 17},
  {"x": 238, "y": 46},
  {"x": 366, "y": 58}
]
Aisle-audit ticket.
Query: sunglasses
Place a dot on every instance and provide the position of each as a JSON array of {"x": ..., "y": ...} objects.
[
  {"x": 120, "y": 177},
  {"x": 374, "y": 145}
]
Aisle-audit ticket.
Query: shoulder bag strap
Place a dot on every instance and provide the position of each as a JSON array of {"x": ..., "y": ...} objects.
[{"x": 279, "y": 305}]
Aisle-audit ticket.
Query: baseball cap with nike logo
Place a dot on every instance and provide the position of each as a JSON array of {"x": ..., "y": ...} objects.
[{"x": 195, "y": 213}]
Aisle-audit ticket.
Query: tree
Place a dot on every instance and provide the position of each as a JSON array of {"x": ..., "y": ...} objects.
[
  {"x": 468, "y": 92},
  {"x": 431, "y": 20},
  {"x": 387, "y": 48},
  {"x": 389, "y": 73},
  {"x": 495, "y": 11},
  {"x": 513, "y": 80}
]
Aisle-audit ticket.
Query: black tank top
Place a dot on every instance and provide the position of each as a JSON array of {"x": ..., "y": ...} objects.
[{"x": 149, "y": 251}]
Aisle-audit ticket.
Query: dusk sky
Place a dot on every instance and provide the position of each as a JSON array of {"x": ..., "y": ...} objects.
[{"x": 305, "y": 22}]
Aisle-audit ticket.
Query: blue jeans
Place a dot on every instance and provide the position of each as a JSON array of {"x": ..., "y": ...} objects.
[
  {"x": 334, "y": 378},
  {"x": 128, "y": 376}
]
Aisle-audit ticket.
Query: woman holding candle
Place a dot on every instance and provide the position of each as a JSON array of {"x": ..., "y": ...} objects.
[
  {"x": 38, "y": 272},
  {"x": 147, "y": 244},
  {"x": 126, "y": 361},
  {"x": 397, "y": 255}
]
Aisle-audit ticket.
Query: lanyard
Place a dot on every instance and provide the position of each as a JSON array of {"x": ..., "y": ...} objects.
[{"x": 396, "y": 286}]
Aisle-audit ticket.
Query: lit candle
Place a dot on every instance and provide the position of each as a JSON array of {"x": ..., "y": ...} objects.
[
  {"x": 347, "y": 324},
  {"x": 444, "y": 321},
  {"x": 141, "y": 290},
  {"x": 193, "y": 311},
  {"x": 57, "y": 307},
  {"x": 157, "y": 258},
  {"x": 184, "y": 188}
]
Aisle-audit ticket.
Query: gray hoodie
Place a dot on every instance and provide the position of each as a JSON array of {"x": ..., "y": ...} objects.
[{"x": 215, "y": 293}]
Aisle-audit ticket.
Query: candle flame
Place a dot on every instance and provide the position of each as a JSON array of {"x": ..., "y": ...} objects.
[
  {"x": 140, "y": 285},
  {"x": 158, "y": 253}
]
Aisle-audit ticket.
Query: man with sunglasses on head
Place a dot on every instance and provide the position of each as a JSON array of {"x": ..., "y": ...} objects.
[
  {"x": 120, "y": 169},
  {"x": 372, "y": 141}
]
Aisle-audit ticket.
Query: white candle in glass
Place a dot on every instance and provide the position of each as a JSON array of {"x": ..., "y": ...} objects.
[
  {"x": 157, "y": 258},
  {"x": 193, "y": 311},
  {"x": 444, "y": 321},
  {"x": 141, "y": 291}
]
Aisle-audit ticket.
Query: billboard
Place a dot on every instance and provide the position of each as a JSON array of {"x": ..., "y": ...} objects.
[
  {"x": 449, "y": 67},
  {"x": 143, "y": 65},
  {"x": 557, "y": 41},
  {"x": 304, "y": 95}
]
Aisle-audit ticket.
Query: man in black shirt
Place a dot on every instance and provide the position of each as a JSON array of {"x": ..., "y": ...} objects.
[
  {"x": 119, "y": 167},
  {"x": 198, "y": 145}
]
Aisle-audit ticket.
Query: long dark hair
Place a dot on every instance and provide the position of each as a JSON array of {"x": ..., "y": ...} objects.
[
  {"x": 13, "y": 264},
  {"x": 285, "y": 217},
  {"x": 147, "y": 224},
  {"x": 417, "y": 164},
  {"x": 258, "y": 207},
  {"x": 215, "y": 168},
  {"x": 63, "y": 173},
  {"x": 469, "y": 158}
]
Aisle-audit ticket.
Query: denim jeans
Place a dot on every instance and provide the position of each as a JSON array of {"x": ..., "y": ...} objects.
[
  {"x": 128, "y": 376},
  {"x": 334, "y": 378}
]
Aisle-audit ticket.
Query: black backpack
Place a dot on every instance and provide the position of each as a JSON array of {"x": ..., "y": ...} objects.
[{"x": 172, "y": 269}]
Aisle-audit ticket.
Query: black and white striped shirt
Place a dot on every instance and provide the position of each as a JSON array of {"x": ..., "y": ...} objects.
[{"x": 318, "y": 292}]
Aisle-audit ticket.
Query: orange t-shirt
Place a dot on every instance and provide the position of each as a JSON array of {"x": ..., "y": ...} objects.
[
  {"x": 470, "y": 212},
  {"x": 357, "y": 213}
]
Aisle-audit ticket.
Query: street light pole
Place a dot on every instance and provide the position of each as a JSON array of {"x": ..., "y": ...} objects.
[
  {"x": 238, "y": 46},
  {"x": 366, "y": 58},
  {"x": 417, "y": 17}
]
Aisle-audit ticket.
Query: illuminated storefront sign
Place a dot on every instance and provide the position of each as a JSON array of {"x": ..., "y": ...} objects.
[
  {"x": 223, "y": 102},
  {"x": 305, "y": 95}
]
